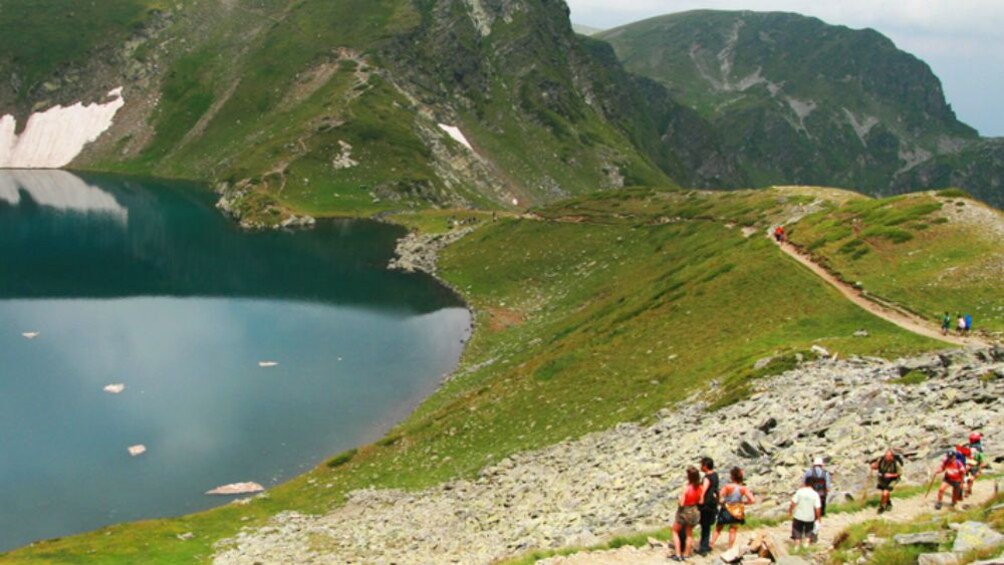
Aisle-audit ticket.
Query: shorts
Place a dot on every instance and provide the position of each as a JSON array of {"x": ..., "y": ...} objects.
[
  {"x": 802, "y": 530},
  {"x": 886, "y": 484},
  {"x": 688, "y": 516}
]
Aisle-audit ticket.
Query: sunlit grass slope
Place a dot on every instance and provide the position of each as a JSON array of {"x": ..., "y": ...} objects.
[{"x": 600, "y": 310}]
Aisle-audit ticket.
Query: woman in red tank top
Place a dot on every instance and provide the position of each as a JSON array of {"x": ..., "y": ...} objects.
[{"x": 687, "y": 514}]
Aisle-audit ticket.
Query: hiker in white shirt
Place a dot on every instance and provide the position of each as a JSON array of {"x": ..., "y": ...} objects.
[{"x": 806, "y": 508}]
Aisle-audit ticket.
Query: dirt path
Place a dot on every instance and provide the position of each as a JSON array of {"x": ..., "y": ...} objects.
[
  {"x": 903, "y": 510},
  {"x": 905, "y": 320}
]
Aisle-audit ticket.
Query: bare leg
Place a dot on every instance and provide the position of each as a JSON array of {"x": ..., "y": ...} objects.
[
  {"x": 714, "y": 536},
  {"x": 676, "y": 539},
  {"x": 732, "y": 536},
  {"x": 689, "y": 549}
]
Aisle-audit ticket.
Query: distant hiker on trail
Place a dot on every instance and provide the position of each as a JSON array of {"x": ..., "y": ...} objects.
[
  {"x": 709, "y": 503},
  {"x": 820, "y": 480},
  {"x": 805, "y": 509},
  {"x": 687, "y": 515},
  {"x": 734, "y": 496},
  {"x": 779, "y": 234},
  {"x": 955, "y": 473},
  {"x": 890, "y": 469},
  {"x": 946, "y": 324},
  {"x": 961, "y": 325},
  {"x": 969, "y": 323},
  {"x": 974, "y": 466}
]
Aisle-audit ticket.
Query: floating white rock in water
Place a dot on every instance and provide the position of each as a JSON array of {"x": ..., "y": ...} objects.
[
  {"x": 135, "y": 450},
  {"x": 114, "y": 389},
  {"x": 267, "y": 364},
  {"x": 237, "y": 488},
  {"x": 30, "y": 335}
]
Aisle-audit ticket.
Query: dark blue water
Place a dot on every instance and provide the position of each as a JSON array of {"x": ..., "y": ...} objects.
[{"x": 143, "y": 283}]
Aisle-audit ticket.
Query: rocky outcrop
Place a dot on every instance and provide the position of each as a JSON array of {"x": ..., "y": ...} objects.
[
  {"x": 577, "y": 491},
  {"x": 419, "y": 252}
]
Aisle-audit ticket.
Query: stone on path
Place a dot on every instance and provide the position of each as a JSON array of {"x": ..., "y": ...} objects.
[
  {"x": 115, "y": 388},
  {"x": 922, "y": 538},
  {"x": 937, "y": 559},
  {"x": 237, "y": 488},
  {"x": 792, "y": 560},
  {"x": 976, "y": 535},
  {"x": 138, "y": 449},
  {"x": 820, "y": 350}
]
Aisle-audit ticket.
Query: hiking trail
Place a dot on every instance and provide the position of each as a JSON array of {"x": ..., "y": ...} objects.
[
  {"x": 903, "y": 510},
  {"x": 901, "y": 318}
]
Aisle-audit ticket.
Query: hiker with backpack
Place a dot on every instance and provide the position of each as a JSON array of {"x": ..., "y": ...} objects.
[
  {"x": 734, "y": 497},
  {"x": 955, "y": 473},
  {"x": 946, "y": 324},
  {"x": 890, "y": 470},
  {"x": 779, "y": 234},
  {"x": 804, "y": 512},
  {"x": 969, "y": 323},
  {"x": 975, "y": 463},
  {"x": 960, "y": 325},
  {"x": 688, "y": 515},
  {"x": 820, "y": 480},
  {"x": 709, "y": 503}
]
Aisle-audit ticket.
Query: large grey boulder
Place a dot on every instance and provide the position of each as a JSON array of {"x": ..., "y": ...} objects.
[
  {"x": 976, "y": 535},
  {"x": 922, "y": 538},
  {"x": 938, "y": 559}
]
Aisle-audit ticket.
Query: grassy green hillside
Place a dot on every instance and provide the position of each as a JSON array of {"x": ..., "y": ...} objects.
[
  {"x": 598, "y": 310},
  {"x": 333, "y": 107},
  {"x": 798, "y": 101},
  {"x": 930, "y": 252}
]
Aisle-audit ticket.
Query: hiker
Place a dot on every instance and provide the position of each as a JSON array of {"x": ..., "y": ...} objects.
[
  {"x": 946, "y": 324},
  {"x": 709, "y": 503},
  {"x": 734, "y": 497},
  {"x": 804, "y": 511},
  {"x": 954, "y": 474},
  {"x": 821, "y": 480},
  {"x": 889, "y": 468},
  {"x": 969, "y": 323},
  {"x": 961, "y": 325},
  {"x": 779, "y": 234},
  {"x": 975, "y": 464},
  {"x": 687, "y": 515},
  {"x": 976, "y": 441}
]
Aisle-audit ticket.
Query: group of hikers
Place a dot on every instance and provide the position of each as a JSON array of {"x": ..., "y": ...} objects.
[
  {"x": 713, "y": 506},
  {"x": 963, "y": 324}
]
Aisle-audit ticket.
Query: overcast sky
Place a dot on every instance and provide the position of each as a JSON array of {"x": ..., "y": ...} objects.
[{"x": 962, "y": 40}]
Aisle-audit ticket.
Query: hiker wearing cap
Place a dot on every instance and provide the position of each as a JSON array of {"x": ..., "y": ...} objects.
[
  {"x": 688, "y": 515},
  {"x": 890, "y": 469},
  {"x": 709, "y": 503},
  {"x": 804, "y": 511},
  {"x": 734, "y": 496},
  {"x": 975, "y": 462},
  {"x": 820, "y": 480},
  {"x": 955, "y": 473}
]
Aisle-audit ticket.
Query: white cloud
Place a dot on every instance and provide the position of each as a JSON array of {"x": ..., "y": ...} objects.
[{"x": 948, "y": 34}]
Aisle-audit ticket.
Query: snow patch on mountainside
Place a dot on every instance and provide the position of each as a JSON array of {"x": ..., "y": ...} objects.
[
  {"x": 457, "y": 135},
  {"x": 53, "y": 138}
]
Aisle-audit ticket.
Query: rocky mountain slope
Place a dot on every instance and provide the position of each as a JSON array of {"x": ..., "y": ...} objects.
[
  {"x": 345, "y": 106},
  {"x": 576, "y": 492},
  {"x": 798, "y": 101}
]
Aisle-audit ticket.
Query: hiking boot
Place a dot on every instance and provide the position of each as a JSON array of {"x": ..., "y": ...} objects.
[
  {"x": 881, "y": 509},
  {"x": 937, "y": 505}
]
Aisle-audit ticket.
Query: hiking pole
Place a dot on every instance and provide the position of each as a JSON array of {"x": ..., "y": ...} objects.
[{"x": 930, "y": 486}]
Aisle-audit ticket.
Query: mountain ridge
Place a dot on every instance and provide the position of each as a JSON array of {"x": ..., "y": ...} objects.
[{"x": 806, "y": 102}]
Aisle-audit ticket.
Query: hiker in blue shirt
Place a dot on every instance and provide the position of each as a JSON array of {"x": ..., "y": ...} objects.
[{"x": 969, "y": 324}]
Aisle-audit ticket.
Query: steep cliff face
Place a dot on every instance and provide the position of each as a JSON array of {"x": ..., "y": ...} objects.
[
  {"x": 351, "y": 106},
  {"x": 798, "y": 101}
]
